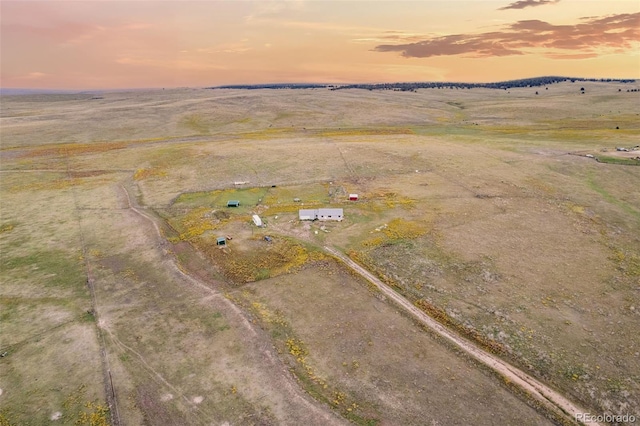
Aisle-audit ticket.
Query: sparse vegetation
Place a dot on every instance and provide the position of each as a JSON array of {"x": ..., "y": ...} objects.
[{"x": 468, "y": 206}]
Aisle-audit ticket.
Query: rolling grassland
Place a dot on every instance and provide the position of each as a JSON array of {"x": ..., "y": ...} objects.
[{"x": 496, "y": 212}]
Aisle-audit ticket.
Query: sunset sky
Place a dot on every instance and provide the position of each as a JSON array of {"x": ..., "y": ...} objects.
[{"x": 135, "y": 44}]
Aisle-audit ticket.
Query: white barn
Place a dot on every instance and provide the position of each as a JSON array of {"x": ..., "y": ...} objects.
[
  {"x": 320, "y": 214},
  {"x": 307, "y": 214}
]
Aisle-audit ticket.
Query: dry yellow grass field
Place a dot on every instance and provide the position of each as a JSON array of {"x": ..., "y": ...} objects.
[{"x": 479, "y": 206}]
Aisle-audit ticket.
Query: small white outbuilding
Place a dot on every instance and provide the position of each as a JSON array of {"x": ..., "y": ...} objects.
[{"x": 257, "y": 221}]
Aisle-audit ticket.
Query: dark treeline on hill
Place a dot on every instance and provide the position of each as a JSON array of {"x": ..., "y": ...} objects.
[
  {"x": 525, "y": 82},
  {"x": 274, "y": 86}
]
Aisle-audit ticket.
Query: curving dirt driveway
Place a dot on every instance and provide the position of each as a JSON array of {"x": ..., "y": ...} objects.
[{"x": 315, "y": 412}]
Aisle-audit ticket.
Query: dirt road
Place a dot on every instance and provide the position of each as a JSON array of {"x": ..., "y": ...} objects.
[
  {"x": 548, "y": 397},
  {"x": 314, "y": 411}
]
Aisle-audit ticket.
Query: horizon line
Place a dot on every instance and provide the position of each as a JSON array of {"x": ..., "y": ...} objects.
[{"x": 44, "y": 90}]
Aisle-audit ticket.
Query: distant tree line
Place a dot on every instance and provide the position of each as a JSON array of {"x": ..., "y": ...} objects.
[
  {"x": 410, "y": 87},
  {"x": 525, "y": 82},
  {"x": 274, "y": 86}
]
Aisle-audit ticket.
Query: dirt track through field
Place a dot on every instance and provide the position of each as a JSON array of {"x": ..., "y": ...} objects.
[
  {"x": 285, "y": 380},
  {"x": 549, "y": 398},
  {"x": 545, "y": 395},
  {"x": 110, "y": 393}
]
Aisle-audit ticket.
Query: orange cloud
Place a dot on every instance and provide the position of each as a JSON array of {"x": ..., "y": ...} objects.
[
  {"x": 32, "y": 76},
  {"x": 613, "y": 32},
  {"x": 528, "y": 3}
]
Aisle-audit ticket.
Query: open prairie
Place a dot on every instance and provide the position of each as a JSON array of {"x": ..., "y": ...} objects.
[{"x": 508, "y": 216}]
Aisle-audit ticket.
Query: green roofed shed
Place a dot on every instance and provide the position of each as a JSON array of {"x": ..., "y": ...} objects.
[
  {"x": 233, "y": 203},
  {"x": 221, "y": 241}
]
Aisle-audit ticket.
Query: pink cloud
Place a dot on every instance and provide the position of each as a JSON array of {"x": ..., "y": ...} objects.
[
  {"x": 521, "y": 4},
  {"x": 616, "y": 32}
]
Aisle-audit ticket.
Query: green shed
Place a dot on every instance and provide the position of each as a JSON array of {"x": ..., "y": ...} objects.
[{"x": 233, "y": 203}]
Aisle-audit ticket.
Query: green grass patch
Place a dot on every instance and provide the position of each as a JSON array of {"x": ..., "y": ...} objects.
[
  {"x": 196, "y": 123},
  {"x": 365, "y": 132},
  {"x": 54, "y": 268},
  {"x": 248, "y": 197},
  {"x": 610, "y": 198},
  {"x": 196, "y": 199},
  {"x": 308, "y": 194},
  {"x": 269, "y": 133},
  {"x": 88, "y": 316},
  {"x": 618, "y": 160},
  {"x": 10, "y": 305}
]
